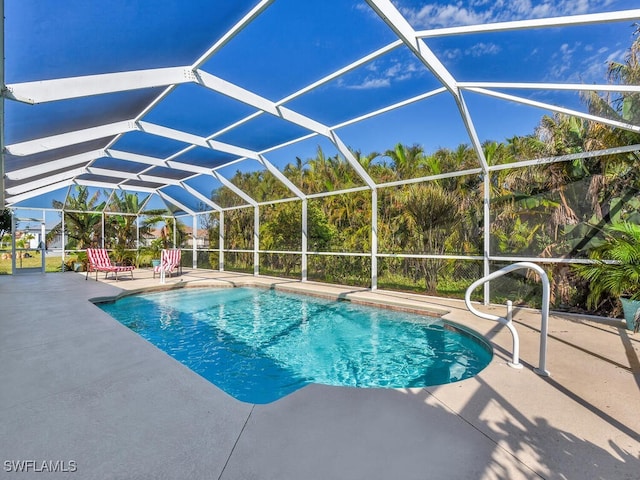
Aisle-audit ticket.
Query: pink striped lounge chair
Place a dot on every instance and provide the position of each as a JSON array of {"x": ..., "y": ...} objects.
[
  {"x": 169, "y": 261},
  {"x": 99, "y": 261}
]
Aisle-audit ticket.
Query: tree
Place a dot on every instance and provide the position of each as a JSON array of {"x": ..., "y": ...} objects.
[
  {"x": 620, "y": 277},
  {"x": 83, "y": 219},
  {"x": 121, "y": 230},
  {"x": 406, "y": 160},
  {"x": 5, "y": 222},
  {"x": 432, "y": 213},
  {"x": 122, "y": 226},
  {"x": 282, "y": 231}
]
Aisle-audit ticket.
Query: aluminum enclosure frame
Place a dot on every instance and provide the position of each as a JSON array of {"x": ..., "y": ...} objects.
[{"x": 65, "y": 171}]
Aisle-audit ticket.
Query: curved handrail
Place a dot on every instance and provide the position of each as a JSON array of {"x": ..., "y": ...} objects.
[{"x": 541, "y": 370}]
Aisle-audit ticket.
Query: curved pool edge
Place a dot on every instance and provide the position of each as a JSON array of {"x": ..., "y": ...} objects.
[{"x": 391, "y": 300}]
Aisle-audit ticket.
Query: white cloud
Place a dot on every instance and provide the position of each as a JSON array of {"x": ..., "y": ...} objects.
[
  {"x": 370, "y": 83},
  {"x": 442, "y": 15},
  {"x": 451, "y": 54},
  {"x": 562, "y": 62},
  {"x": 383, "y": 73},
  {"x": 617, "y": 55},
  {"x": 481, "y": 49},
  {"x": 477, "y": 50},
  {"x": 571, "y": 65},
  {"x": 393, "y": 70},
  {"x": 434, "y": 15}
]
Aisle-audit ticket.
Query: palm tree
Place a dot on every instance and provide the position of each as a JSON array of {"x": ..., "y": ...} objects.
[
  {"x": 122, "y": 227},
  {"x": 432, "y": 214},
  {"x": 620, "y": 275},
  {"x": 406, "y": 160},
  {"x": 624, "y": 106},
  {"x": 83, "y": 218}
]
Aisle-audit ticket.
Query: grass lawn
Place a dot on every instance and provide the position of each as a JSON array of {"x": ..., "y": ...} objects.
[{"x": 52, "y": 263}]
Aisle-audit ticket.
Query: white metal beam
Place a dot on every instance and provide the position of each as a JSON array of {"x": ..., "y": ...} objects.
[
  {"x": 471, "y": 130},
  {"x": 588, "y": 19},
  {"x": 191, "y": 139},
  {"x": 145, "y": 177},
  {"x": 201, "y": 197},
  {"x": 339, "y": 192},
  {"x": 132, "y": 188},
  {"x": 157, "y": 162},
  {"x": 36, "y": 184},
  {"x": 40, "y": 191},
  {"x": 70, "y": 138},
  {"x": 553, "y": 108},
  {"x": 344, "y": 150},
  {"x": 170, "y": 199},
  {"x": 223, "y": 180},
  {"x": 134, "y": 157},
  {"x": 566, "y": 158},
  {"x": 234, "y": 91},
  {"x": 105, "y": 172},
  {"x": 280, "y": 176},
  {"x": 374, "y": 239},
  {"x": 233, "y": 150},
  {"x": 74, "y": 87},
  {"x": 431, "y": 178},
  {"x": 389, "y": 108},
  {"x": 357, "y": 119},
  {"x": 171, "y": 133},
  {"x": 53, "y": 165},
  {"x": 342, "y": 71},
  {"x": 187, "y": 167},
  {"x": 305, "y": 239},
  {"x": 577, "y": 87},
  {"x": 232, "y": 32},
  {"x": 245, "y": 96},
  {"x": 256, "y": 241}
]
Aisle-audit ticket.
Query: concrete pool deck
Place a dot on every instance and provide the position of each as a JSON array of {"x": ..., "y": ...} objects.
[{"x": 77, "y": 386}]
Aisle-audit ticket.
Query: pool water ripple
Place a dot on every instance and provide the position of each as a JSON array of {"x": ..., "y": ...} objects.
[{"x": 259, "y": 345}]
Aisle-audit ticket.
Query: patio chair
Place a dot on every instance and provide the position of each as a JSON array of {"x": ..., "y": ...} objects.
[
  {"x": 169, "y": 261},
  {"x": 99, "y": 261}
]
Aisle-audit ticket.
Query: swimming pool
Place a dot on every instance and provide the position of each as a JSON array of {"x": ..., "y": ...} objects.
[{"x": 259, "y": 345}]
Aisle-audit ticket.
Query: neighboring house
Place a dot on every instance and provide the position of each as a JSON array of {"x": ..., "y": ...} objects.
[
  {"x": 31, "y": 243},
  {"x": 202, "y": 237}
]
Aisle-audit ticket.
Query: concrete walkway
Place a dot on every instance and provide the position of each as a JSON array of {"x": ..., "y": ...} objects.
[{"x": 80, "y": 389}]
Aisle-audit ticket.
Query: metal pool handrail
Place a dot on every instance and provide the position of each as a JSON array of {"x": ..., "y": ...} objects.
[{"x": 515, "y": 363}]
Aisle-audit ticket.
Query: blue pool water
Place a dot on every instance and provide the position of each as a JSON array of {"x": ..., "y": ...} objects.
[{"x": 259, "y": 345}]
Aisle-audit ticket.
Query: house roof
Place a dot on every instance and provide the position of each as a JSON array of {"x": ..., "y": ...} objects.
[{"x": 169, "y": 98}]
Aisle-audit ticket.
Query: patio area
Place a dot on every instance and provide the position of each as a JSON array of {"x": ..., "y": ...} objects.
[{"x": 80, "y": 387}]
